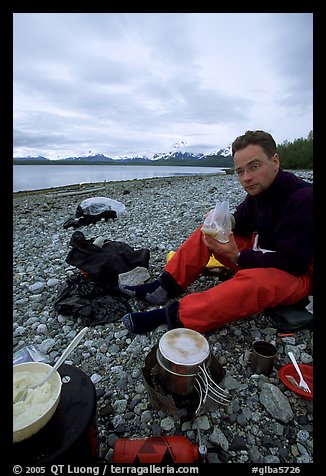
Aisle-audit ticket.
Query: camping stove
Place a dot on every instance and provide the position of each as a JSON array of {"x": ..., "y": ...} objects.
[{"x": 194, "y": 402}]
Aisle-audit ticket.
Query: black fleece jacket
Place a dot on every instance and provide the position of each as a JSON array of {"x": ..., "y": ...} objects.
[{"x": 282, "y": 216}]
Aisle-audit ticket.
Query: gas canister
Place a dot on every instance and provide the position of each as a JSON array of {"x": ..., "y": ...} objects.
[{"x": 156, "y": 449}]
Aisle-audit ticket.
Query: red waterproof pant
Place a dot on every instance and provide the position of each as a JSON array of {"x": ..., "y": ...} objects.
[{"x": 249, "y": 291}]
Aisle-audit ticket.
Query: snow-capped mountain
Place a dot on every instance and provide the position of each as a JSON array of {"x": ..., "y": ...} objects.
[
  {"x": 177, "y": 155},
  {"x": 222, "y": 158},
  {"x": 225, "y": 152}
]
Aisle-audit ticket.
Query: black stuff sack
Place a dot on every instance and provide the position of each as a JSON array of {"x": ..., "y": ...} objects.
[
  {"x": 290, "y": 318},
  {"x": 103, "y": 264}
]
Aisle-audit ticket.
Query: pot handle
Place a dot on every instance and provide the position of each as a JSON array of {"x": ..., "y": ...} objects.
[{"x": 211, "y": 387}]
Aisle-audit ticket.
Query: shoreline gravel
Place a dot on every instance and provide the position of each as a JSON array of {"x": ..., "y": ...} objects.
[{"x": 264, "y": 421}]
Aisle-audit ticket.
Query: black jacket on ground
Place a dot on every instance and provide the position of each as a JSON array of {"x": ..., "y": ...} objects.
[{"x": 104, "y": 264}]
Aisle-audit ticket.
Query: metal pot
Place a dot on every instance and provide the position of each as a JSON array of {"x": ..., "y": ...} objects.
[{"x": 180, "y": 355}]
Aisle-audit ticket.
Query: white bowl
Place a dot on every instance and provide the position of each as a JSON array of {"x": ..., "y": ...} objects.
[{"x": 40, "y": 404}]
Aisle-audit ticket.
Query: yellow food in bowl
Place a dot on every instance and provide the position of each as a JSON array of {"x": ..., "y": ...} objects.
[{"x": 31, "y": 414}]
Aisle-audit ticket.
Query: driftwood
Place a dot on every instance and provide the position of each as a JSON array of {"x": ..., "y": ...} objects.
[{"x": 66, "y": 193}]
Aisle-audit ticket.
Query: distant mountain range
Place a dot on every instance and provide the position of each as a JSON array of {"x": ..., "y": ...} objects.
[{"x": 222, "y": 158}]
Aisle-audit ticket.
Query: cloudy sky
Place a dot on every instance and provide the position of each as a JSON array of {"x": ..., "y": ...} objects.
[{"x": 145, "y": 83}]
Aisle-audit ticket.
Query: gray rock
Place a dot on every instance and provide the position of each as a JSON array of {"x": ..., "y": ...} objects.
[
  {"x": 134, "y": 277},
  {"x": 276, "y": 403}
]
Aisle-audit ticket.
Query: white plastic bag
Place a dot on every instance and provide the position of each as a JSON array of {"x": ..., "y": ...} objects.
[
  {"x": 98, "y": 205},
  {"x": 218, "y": 222}
]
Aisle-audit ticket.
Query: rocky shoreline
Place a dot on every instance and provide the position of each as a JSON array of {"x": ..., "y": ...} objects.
[{"x": 264, "y": 422}]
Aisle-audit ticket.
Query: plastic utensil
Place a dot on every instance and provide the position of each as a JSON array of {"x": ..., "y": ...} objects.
[
  {"x": 302, "y": 382},
  {"x": 60, "y": 361},
  {"x": 288, "y": 370}
]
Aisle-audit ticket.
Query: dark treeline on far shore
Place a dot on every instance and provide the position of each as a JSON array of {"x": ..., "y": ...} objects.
[
  {"x": 297, "y": 154},
  {"x": 294, "y": 155}
]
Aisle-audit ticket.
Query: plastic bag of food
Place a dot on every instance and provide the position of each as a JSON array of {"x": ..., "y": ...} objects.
[{"x": 218, "y": 222}]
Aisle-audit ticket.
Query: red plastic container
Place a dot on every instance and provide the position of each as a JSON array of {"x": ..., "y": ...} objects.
[{"x": 155, "y": 449}]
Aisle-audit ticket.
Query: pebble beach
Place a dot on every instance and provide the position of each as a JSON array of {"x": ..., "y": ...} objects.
[{"x": 263, "y": 423}]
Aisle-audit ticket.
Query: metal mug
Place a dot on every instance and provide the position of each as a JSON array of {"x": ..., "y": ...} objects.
[{"x": 262, "y": 357}]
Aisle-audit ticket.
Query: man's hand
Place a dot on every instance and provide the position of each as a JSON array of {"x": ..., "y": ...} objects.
[{"x": 228, "y": 250}]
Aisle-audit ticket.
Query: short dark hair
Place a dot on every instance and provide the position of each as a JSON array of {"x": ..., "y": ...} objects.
[{"x": 262, "y": 138}]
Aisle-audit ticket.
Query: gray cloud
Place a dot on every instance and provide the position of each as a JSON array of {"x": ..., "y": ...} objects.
[{"x": 136, "y": 83}]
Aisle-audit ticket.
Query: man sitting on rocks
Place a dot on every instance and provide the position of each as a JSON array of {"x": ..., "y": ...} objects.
[{"x": 270, "y": 250}]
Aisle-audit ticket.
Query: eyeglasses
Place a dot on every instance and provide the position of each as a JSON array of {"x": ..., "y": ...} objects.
[{"x": 252, "y": 168}]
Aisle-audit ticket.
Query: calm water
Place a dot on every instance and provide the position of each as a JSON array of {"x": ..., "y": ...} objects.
[{"x": 37, "y": 177}]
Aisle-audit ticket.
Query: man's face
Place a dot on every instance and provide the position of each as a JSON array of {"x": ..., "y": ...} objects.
[{"x": 255, "y": 170}]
